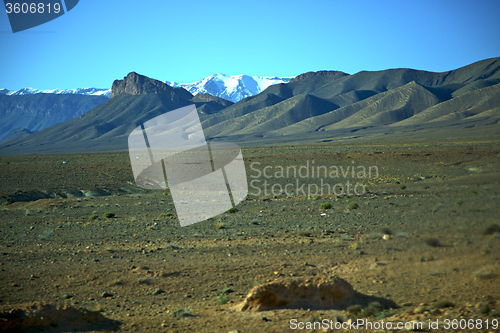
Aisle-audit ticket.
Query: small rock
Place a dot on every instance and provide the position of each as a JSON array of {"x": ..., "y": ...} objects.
[
  {"x": 66, "y": 296},
  {"x": 419, "y": 310},
  {"x": 386, "y": 237},
  {"x": 106, "y": 294},
  {"x": 158, "y": 291}
]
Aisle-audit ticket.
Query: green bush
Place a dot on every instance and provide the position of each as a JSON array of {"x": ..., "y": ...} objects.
[
  {"x": 326, "y": 205},
  {"x": 444, "y": 304},
  {"x": 232, "y": 210},
  {"x": 434, "y": 242},
  {"x": 221, "y": 300},
  {"x": 109, "y": 215},
  {"x": 94, "y": 216},
  {"x": 403, "y": 186},
  {"x": 165, "y": 214},
  {"x": 352, "y": 205}
]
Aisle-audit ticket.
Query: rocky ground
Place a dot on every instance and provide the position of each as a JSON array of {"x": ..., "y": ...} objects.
[{"x": 422, "y": 243}]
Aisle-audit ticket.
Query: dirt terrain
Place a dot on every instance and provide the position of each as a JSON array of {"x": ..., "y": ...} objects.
[{"x": 423, "y": 241}]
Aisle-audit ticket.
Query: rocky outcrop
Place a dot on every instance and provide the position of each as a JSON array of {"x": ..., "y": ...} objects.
[
  {"x": 316, "y": 293},
  {"x": 136, "y": 84},
  {"x": 324, "y": 74}
]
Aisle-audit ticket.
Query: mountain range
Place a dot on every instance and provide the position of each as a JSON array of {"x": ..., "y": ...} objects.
[
  {"x": 312, "y": 107},
  {"x": 77, "y": 91},
  {"x": 230, "y": 87},
  {"x": 233, "y": 88},
  {"x": 22, "y": 115}
]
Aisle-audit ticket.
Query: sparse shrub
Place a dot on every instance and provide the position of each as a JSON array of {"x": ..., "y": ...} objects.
[
  {"x": 402, "y": 234},
  {"x": 397, "y": 182},
  {"x": 183, "y": 314},
  {"x": 384, "y": 314},
  {"x": 304, "y": 233},
  {"x": 471, "y": 192},
  {"x": 220, "y": 225},
  {"x": 116, "y": 282},
  {"x": 444, "y": 304},
  {"x": 492, "y": 229},
  {"x": 326, "y": 205},
  {"x": 109, "y": 215},
  {"x": 144, "y": 280},
  {"x": 372, "y": 310},
  {"x": 221, "y": 300},
  {"x": 94, "y": 216},
  {"x": 315, "y": 197},
  {"x": 386, "y": 231},
  {"x": 232, "y": 210},
  {"x": 352, "y": 205},
  {"x": 354, "y": 309},
  {"x": 403, "y": 186},
  {"x": 426, "y": 187},
  {"x": 227, "y": 291},
  {"x": 165, "y": 214},
  {"x": 459, "y": 202},
  {"x": 484, "y": 308},
  {"x": 484, "y": 273},
  {"x": 434, "y": 242}
]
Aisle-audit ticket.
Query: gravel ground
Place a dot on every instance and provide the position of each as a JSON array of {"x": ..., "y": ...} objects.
[{"x": 425, "y": 235}]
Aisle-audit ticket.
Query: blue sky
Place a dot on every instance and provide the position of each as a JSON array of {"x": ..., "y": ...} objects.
[{"x": 185, "y": 41}]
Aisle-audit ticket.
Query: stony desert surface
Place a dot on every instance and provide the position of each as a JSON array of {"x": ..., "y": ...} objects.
[{"x": 419, "y": 245}]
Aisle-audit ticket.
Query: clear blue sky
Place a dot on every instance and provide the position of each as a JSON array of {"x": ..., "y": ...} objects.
[{"x": 184, "y": 41}]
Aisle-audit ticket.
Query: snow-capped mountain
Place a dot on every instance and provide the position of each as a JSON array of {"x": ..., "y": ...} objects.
[
  {"x": 77, "y": 91},
  {"x": 232, "y": 88}
]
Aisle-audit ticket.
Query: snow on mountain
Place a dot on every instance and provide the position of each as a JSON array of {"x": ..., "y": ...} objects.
[
  {"x": 80, "y": 91},
  {"x": 232, "y": 88}
]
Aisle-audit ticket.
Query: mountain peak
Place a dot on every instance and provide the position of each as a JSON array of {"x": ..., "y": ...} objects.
[
  {"x": 136, "y": 84},
  {"x": 231, "y": 87},
  {"x": 329, "y": 74}
]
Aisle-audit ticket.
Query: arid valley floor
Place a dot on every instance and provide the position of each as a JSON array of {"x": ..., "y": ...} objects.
[{"x": 425, "y": 237}]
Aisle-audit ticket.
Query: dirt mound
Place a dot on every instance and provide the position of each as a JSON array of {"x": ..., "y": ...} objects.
[
  {"x": 50, "y": 318},
  {"x": 317, "y": 293}
]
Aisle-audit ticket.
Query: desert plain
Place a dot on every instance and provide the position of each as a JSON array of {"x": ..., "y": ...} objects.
[{"x": 422, "y": 241}]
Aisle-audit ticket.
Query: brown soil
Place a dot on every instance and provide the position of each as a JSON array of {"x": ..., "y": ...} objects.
[{"x": 425, "y": 236}]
